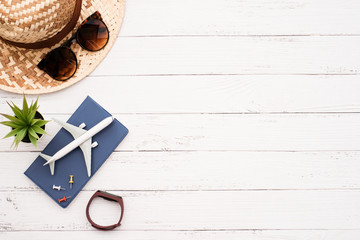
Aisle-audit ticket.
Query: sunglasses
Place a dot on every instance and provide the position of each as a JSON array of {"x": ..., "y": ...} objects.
[{"x": 61, "y": 63}]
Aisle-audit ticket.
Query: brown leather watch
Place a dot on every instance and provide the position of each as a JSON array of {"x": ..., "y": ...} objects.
[{"x": 110, "y": 197}]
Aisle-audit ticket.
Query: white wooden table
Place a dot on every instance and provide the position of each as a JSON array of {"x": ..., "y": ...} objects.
[{"x": 244, "y": 124}]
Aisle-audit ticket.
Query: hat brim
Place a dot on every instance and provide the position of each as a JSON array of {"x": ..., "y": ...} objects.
[{"x": 18, "y": 66}]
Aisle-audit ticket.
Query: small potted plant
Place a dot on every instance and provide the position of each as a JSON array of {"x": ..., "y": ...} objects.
[{"x": 28, "y": 125}]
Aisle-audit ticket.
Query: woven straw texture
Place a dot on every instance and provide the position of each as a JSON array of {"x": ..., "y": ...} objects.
[
  {"x": 18, "y": 66},
  {"x": 33, "y": 20}
]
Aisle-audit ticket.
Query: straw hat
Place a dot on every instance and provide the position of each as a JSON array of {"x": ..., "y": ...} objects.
[{"x": 30, "y": 24}]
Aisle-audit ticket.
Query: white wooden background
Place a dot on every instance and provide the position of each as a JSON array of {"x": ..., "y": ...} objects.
[{"x": 244, "y": 119}]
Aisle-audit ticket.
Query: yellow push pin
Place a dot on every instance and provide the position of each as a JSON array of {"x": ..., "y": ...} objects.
[{"x": 71, "y": 181}]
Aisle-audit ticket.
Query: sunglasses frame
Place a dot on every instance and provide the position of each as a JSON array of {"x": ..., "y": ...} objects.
[{"x": 75, "y": 38}]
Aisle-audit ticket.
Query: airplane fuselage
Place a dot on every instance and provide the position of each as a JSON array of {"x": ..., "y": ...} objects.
[{"x": 80, "y": 140}]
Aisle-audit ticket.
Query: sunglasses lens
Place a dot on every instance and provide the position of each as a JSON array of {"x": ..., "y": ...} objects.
[
  {"x": 93, "y": 35},
  {"x": 60, "y": 63}
]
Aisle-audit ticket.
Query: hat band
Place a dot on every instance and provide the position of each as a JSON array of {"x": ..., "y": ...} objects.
[{"x": 54, "y": 39}]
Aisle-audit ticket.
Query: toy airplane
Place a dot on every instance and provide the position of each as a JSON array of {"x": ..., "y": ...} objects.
[{"x": 82, "y": 139}]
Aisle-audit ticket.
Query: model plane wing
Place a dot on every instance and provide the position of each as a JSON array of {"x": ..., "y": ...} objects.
[
  {"x": 86, "y": 149},
  {"x": 51, "y": 165},
  {"x": 73, "y": 130}
]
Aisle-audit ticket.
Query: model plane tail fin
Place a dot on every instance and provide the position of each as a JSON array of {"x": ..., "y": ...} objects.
[{"x": 51, "y": 165}]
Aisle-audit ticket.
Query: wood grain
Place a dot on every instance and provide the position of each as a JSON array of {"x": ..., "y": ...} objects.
[
  {"x": 248, "y": 17},
  {"x": 206, "y": 94},
  {"x": 232, "y": 55},
  {"x": 226, "y": 132},
  {"x": 191, "y": 171},
  {"x": 191, "y": 210},
  {"x": 198, "y": 235}
]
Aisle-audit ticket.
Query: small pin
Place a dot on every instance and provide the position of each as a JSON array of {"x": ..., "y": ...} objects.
[
  {"x": 63, "y": 199},
  {"x": 58, "y": 188},
  {"x": 71, "y": 181}
]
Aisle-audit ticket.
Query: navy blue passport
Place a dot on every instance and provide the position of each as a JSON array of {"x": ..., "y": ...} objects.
[{"x": 90, "y": 113}]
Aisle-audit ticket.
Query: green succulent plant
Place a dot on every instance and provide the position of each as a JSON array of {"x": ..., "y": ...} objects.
[{"x": 24, "y": 123}]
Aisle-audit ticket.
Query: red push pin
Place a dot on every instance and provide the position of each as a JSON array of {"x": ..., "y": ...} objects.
[{"x": 63, "y": 199}]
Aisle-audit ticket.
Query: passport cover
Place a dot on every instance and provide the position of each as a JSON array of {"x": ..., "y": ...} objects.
[{"x": 90, "y": 113}]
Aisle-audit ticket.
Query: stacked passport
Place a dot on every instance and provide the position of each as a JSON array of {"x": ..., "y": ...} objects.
[{"x": 90, "y": 113}]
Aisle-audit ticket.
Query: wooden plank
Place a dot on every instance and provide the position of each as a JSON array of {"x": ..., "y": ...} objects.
[
  {"x": 180, "y": 235},
  {"x": 194, "y": 210},
  {"x": 232, "y": 55},
  {"x": 205, "y": 171},
  {"x": 232, "y": 17},
  {"x": 206, "y": 94},
  {"x": 219, "y": 132}
]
